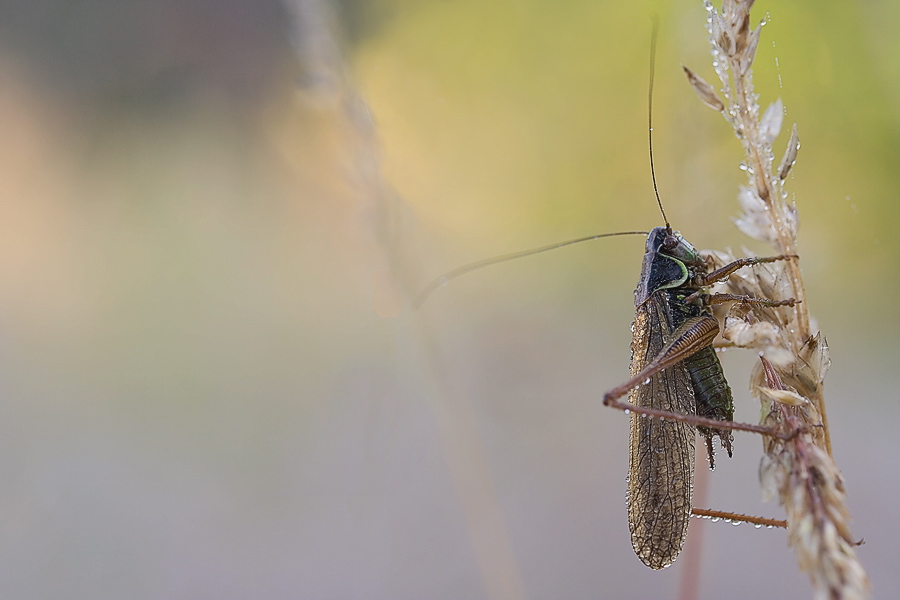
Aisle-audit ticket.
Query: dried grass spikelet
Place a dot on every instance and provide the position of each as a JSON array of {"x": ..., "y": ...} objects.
[{"x": 800, "y": 471}]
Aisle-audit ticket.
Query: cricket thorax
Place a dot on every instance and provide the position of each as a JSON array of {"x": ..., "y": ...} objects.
[{"x": 669, "y": 262}]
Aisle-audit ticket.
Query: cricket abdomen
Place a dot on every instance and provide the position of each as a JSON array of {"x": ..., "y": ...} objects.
[
  {"x": 712, "y": 396},
  {"x": 711, "y": 391}
]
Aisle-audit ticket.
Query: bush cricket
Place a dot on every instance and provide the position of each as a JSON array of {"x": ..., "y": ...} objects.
[{"x": 676, "y": 385}]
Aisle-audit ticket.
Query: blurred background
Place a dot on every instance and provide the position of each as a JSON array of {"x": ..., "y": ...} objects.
[{"x": 213, "y": 216}]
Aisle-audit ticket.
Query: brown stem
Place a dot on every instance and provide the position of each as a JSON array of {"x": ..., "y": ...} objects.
[{"x": 785, "y": 244}]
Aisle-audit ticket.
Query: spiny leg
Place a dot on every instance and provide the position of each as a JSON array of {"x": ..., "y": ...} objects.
[
  {"x": 729, "y": 516},
  {"x": 723, "y": 298},
  {"x": 710, "y": 299},
  {"x": 693, "y": 335},
  {"x": 723, "y": 273}
]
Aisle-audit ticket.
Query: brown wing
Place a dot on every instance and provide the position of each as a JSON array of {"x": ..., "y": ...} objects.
[{"x": 661, "y": 475}]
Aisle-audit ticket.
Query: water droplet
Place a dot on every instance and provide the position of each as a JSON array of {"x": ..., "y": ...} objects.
[
  {"x": 735, "y": 523},
  {"x": 714, "y": 519},
  {"x": 758, "y": 525},
  {"x": 627, "y": 412},
  {"x": 643, "y": 415},
  {"x": 647, "y": 381}
]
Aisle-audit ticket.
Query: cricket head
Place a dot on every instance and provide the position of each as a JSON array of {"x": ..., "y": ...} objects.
[
  {"x": 670, "y": 243},
  {"x": 668, "y": 263}
]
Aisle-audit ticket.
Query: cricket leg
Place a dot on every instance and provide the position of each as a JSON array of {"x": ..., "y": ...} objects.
[
  {"x": 710, "y": 299},
  {"x": 693, "y": 335},
  {"x": 722, "y": 273},
  {"x": 738, "y": 517},
  {"x": 723, "y": 298}
]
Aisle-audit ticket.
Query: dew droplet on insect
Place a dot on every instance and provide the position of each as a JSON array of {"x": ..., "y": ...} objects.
[
  {"x": 758, "y": 525},
  {"x": 627, "y": 411},
  {"x": 647, "y": 381}
]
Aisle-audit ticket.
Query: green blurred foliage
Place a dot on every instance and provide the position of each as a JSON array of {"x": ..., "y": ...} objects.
[{"x": 509, "y": 124}]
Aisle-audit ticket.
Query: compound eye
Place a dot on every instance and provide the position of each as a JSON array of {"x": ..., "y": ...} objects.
[{"x": 670, "y": 242}]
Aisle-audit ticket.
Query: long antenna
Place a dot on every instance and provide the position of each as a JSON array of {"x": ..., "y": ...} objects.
[
  {"x": 653, "y": 36},
  {"x": 446, "y": 277}
]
